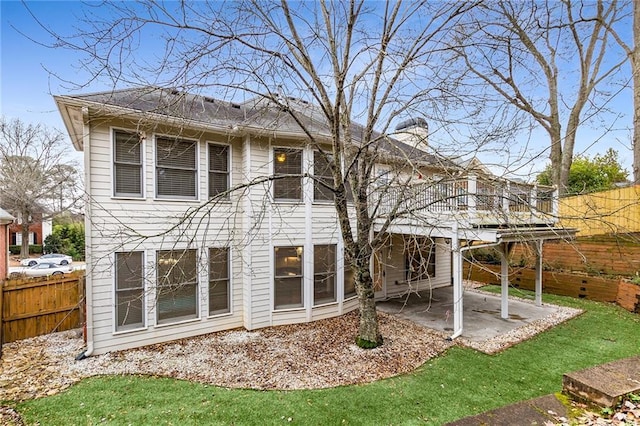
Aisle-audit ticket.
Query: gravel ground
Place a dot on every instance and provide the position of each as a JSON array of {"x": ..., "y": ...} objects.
[{"x": 314, "y": 355}]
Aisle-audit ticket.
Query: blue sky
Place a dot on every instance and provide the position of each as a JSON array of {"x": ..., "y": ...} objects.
[{"x": 26, "y": 85}]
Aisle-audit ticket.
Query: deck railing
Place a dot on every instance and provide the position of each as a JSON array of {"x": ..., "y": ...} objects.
[{"x": 469, "y": 194}]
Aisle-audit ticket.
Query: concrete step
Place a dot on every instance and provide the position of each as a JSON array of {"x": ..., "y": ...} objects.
[{"x": 605, "y": 384}]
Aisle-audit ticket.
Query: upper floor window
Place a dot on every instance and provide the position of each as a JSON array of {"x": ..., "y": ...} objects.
[
  {"x": 323, "y": 177},
  {"x": 218, "y": 170},
  {"x": 129, "y": 291},
  {"x": 177, "y": 297},
  {"x": 127, "y": 164},
  {"x": 176, "y": 168},
  {"x": 287, "y": 170}
]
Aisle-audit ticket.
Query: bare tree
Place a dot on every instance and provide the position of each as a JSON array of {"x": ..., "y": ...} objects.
[
  {"x": 370, "y": 63},
  {"x": 633, "y": 53},
  {"x": 37, "y": 178},
  {"x": 549, "y": 60}
]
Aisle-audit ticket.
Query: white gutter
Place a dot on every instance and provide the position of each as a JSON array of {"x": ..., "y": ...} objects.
[{"x": 88, "y": 244}]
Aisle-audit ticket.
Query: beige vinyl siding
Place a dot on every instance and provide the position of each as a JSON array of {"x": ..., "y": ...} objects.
[
  {"x": 289, "y": 317},
  {"x": 148, "y": 216},
  {"x": 324, "y": 312}
]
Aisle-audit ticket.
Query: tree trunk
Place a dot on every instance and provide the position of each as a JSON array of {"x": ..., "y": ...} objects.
[
  {"x": 24, "y": 249},
  {"x": 368, "y": 333},
  {"x": 635, "y": 70}
]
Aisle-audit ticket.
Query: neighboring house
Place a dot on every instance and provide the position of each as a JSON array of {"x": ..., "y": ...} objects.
[
  {"x": 38, "y": 230},
  {"x": 5, "y": 221},
  {"x": 160, "y": 267}
]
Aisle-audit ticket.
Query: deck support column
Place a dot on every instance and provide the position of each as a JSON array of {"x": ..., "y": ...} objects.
[
  {"x": 538, "y": 273},
  {"x": 456, "y": 260},
  {"x": 505, "y": 249}
]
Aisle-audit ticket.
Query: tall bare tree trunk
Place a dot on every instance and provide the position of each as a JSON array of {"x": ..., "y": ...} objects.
[
  {"x": 368, "y": 334},
  {"x": 635, "y": 69},
  {"x": 24, "y": 249}
]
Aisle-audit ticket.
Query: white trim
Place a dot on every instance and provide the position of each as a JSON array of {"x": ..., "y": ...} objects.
[
  {"x": 309, "y": 248},
  {"x": 197, "y": 188}
]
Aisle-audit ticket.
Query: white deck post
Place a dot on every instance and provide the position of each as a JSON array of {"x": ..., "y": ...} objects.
[
  {"x": 457, "y": 284},
  {"x": 504, "y": 281},
  {"x": 539, "y": 273}
]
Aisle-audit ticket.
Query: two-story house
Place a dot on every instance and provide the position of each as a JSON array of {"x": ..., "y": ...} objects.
[{"x": 201, "y": 216}]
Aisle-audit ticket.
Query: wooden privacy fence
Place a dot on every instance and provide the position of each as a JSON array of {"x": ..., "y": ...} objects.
[
  {"x": 32, "y": 307},
  {"x": 615, "y": 290}
]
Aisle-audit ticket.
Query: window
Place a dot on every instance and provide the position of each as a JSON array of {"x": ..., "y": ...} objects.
[
  {"x": 288, "y": 277},
  {"x": 218, "y": 170},
  {"x": 218, "y": 281},
  {"x": 288, "y": 171},
  {"x": 129, "y": 291},
  {"x": 322, "y": 173},
  {"x": 324, "y": 274},
  {"x": 176, "y": 168},
  {"x": 349, "y": 280},
  {"x": 177, "y": 286},
  {"x": 127, "y": 164},
  {"x": 420, "y": 259}
]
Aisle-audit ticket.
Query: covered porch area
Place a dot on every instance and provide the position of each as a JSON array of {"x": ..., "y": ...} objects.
[
  {"x": 502, "y": 239},
  {"x": 485, "y": 328}
]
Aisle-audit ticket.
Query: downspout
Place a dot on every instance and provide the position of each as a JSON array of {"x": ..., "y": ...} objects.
[
  {"x": 87, "y": 226},
  {"x": 463, "y": 249}
]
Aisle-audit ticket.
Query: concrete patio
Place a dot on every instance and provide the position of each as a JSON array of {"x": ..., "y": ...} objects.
[{"x": 481, "y": 312}]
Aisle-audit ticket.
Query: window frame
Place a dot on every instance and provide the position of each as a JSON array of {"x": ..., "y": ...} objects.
[
  {"x": 318, "y": 189},
  {"x": 289, "y": 177},
  {"x": 141, "y": 289},
  {"x": 330, "y": 273},
  {"x": 195, "y": 170},
  {"x": 211, "y": 144},
  {"x": 226, "y": 279},
  {"x": 115, "y": 163},
  {"x": 299, "y": 250},
  {"x": 348, "y": 273},
  {"x": 426, "y": 264},
  {"x": 179, "y": 286}
]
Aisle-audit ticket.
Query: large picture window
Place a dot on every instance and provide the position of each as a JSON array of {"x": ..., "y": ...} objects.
[
  {"x": 288, "y": 283},
  {"x": 129, "y": 291},
  {"x": 287, "y": 170},
  {"x": 218, "y": 281},
  {"x": 324, "y": 274},
  {"x": 177, "y": 285},
  {"x": 420, "y": 259},
  {"x": 323, "y": 178},
  {"x": 176, "y": 168},
  {"x": 218, "y": 170},
  {"x": 127, "y": 164}
]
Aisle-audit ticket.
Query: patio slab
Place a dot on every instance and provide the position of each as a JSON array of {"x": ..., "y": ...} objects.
[{"x": 481, "y": 312}]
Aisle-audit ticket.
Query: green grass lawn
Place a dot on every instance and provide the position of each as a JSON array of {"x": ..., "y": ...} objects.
[{"x": 459, "y": 383}]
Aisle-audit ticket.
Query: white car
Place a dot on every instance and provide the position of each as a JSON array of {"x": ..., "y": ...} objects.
[
  {"x": 44, "y": 269},
  {"x": 58, "y": 259}
]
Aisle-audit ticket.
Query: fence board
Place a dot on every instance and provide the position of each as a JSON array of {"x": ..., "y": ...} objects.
[
  {"x": 32, "y": 307},
  {"x": 560, "y": 283}
]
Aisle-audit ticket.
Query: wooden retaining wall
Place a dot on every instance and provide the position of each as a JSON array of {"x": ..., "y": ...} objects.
[
  {"x": 604, "y": 255},
  {"x": 579, "y": 286},
  {"x": 36, "y": 306}
]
